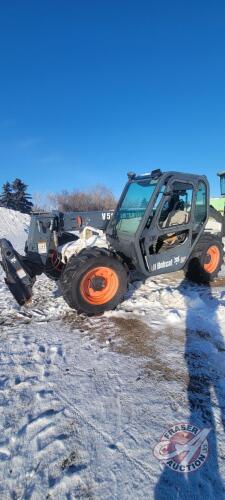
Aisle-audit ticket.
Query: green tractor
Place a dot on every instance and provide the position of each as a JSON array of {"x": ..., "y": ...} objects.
[{"x": 219, "y": 203}]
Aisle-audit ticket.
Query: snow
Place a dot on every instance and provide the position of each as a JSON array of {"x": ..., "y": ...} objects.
[
  {"x": 86, "y": 239},
  {"x": 14, "y": 226},
  {"x": 84, "y": 401}
]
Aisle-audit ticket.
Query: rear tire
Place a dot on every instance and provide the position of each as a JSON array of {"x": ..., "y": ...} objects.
[
  {"x": 206, "y": 259},
  {"x": 94, "y": 281}
]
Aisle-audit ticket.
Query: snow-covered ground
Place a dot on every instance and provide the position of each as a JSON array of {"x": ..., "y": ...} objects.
[{"x": 84, "y": 401}]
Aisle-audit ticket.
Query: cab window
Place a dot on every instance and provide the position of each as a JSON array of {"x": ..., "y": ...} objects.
[
  {"x": 176, "y": 209},
  {"x": 201, "y": 203}
]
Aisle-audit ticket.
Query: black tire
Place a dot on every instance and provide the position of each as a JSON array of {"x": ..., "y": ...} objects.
[
  {"x": 195, "y": 268},
  {"x": 79, "y": 266}
]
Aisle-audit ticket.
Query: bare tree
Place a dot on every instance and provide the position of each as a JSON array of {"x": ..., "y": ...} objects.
[
  {"x": 44, "y": 202},
  {"x": 98, "y": 198}
]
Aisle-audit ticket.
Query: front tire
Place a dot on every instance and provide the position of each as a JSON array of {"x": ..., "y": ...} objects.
[
  {"x": 94, "y": 281},
  {"x": 206, "y": 259}
]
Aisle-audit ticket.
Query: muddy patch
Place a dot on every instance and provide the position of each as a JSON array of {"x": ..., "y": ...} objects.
[{"x": 132, "y": 337}]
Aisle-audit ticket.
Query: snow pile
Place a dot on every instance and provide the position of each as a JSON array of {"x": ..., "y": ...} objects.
[
  {"x": 171, "y": 302},
  {"x": 14, "y": 227}
]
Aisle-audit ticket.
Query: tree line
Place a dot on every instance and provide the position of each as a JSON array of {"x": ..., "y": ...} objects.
[
  {"x": 97, "y": 198},
  {"x": 14, "y": 195}
]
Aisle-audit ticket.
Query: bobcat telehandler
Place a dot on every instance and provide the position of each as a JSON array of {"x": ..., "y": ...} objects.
[{"x": 158, "y": 226}]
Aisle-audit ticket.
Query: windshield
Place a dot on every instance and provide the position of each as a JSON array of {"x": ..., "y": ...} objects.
[{"x": 134, "y": 204}]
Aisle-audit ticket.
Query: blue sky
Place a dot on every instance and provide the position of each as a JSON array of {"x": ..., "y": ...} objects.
[{"x": 92, "y": 89}]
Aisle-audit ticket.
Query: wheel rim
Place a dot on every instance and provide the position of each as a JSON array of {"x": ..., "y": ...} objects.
[
  {"x": 212, "y": 259},
  {"x": 99, "y": 285},
  {"x": 55, "y": 261}
]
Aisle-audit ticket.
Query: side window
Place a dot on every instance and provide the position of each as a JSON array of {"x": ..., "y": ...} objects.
[
  {"x": 201, "y": 203},
  {"x": 177, "y": 208}
]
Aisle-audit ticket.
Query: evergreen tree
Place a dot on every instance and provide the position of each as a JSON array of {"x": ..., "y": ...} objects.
[
  {"x": 7, "y": 197},
  {"x": 21, "y": 197}
]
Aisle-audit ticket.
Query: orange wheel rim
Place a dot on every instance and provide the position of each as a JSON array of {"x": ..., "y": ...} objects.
[
  {"x": 212, "y": 259},
  {"x": 99, "y": 285}
]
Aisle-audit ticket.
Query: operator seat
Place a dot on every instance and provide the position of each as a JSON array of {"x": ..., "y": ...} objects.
[{"x": 176, "y": 217}]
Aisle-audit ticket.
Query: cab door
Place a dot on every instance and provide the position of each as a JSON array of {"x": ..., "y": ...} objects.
[{"x": 169, "y": 238}]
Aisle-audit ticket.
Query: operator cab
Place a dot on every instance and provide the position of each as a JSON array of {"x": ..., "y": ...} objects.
[{"x": 159, "y": 213}]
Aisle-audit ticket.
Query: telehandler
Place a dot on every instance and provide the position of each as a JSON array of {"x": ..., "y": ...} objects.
[{"x": 158, "y": 226}]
